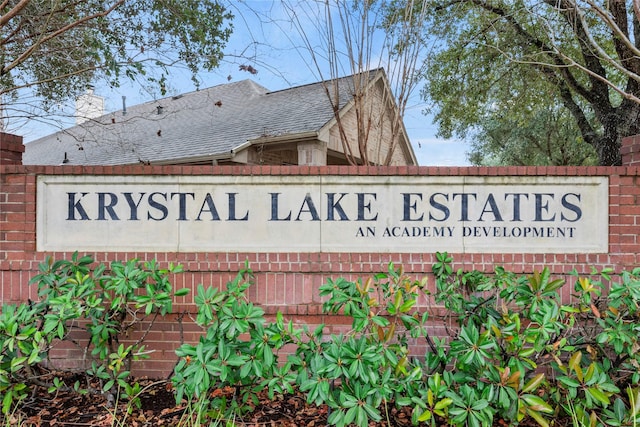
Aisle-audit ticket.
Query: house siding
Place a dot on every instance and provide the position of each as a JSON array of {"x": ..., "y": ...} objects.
[{"x": 378, "y": 115}]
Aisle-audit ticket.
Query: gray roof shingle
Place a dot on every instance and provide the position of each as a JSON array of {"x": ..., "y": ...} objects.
[{"x": 201, "y": 124}]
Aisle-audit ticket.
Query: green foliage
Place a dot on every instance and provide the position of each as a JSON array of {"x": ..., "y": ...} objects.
[
  {"x": 356, "y": 373},
  {"x": 353, "y": 373},
  {"x": 538, "y": 135},
  {"x": 20, "y": 346},
  {"x": 527, "y": 353},
  {"x": 522, "y": 82},
  {"x": 515, "y": 350},
  {"x": 238, "y": 350},
  {"x": 76, "y": 294},
  {"x": 60, "y": 47}
]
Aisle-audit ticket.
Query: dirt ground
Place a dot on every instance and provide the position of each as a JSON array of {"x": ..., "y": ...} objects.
[{"x": 158, "y": 408}]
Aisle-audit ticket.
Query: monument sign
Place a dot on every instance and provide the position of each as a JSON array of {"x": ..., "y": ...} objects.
[{"x": 405, "y": 214}]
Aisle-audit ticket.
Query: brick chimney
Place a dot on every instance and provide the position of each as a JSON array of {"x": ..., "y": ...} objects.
[
  {"x": 630, "y": 151},
  {"x": 11, "y": 149}
]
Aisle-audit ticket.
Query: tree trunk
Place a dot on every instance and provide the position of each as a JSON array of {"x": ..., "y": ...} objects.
[
  {"x": 617, "y": 123},
  {"x": 608, "y": 149}
]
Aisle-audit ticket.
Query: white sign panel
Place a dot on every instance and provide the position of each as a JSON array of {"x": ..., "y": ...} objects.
[{"x": 407, "y": 214}]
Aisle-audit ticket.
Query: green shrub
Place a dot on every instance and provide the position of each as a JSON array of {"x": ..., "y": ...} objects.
[
  {"x": 514, "y": 349},
  {"x": 78, "y": 295},
  {"x": 238, "y": 350},
  {"x": 527, "y": 353}
]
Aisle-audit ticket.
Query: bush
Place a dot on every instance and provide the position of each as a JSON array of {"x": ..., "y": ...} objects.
[
  {"x": 240, "y": 350},
  {"x": 522, "y": 352},
  {"x": 225, "y": 356},
  {"x": 76, "y": 294},
  {"x": 514, "y": 350}
]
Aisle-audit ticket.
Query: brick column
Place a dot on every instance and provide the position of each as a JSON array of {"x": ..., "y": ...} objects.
[
  {"x": 11, "y": 149},
  {"x": 630, "y": 151}
]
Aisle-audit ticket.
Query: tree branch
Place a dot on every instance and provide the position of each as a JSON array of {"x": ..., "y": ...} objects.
[
  {"x": 542, "y": 47},
  {"x": 13, "y": 12},
  {"x": 26, "y": 54}
]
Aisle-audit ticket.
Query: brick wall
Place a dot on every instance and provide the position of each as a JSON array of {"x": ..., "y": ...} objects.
[
  {"x": 630, "y": 151},
  {"x": 11, "y": 149},
  {"x": 288, "y": 281}
]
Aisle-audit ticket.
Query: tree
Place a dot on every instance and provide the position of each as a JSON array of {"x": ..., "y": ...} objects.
[
  {"x": 54, "y": 49},
  {"x": 529, "y": 131},
  {"x": 504, "y": 139},
  {"x": 357, "y": 38},
  {"x": 522, "y": 57}
]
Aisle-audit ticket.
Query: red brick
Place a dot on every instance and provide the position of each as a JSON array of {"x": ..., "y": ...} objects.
[{"x": 289, "y": 281}]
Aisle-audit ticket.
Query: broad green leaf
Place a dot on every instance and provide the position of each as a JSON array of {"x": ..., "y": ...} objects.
[
  {"x": 539, "y": 418},
  {"x": 533, "y": 383},
  {"x": 443, "y": 403},
  {"x": 181, "y": 292},
  {"x": 599, "y": 395},
  {"x": 569, "y": 381},
  {"x": 6, "y": 402},
  {"x": 535, "y": 403}
]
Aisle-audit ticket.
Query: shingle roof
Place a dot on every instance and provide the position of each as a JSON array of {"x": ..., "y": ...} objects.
[{"x": 201, "y": 124}]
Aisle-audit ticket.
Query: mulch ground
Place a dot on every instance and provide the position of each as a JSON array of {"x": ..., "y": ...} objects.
[{"x": 158, "y": 408}]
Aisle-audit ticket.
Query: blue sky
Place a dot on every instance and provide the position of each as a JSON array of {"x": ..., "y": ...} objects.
[{"x": 265, "y": 38}]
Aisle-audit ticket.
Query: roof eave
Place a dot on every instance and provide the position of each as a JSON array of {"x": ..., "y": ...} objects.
[
  {"x": 194, "y": 159},
  {"x": 286, "y": 138}
]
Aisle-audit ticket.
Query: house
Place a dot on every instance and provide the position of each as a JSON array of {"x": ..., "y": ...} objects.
[{"x": 239, "y": 123}]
